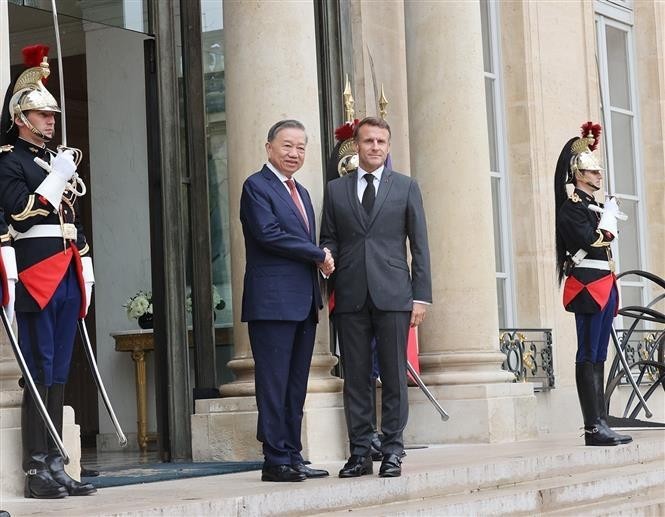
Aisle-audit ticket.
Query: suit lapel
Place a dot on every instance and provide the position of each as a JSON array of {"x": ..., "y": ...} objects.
[
  {"x": 282, "y": 193},
  {"x": 382, "y": 194},
  {"x": 352, "y": 194}
]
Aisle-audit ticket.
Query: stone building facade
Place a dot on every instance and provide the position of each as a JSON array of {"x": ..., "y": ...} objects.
[{"x": 482, "y": 96}]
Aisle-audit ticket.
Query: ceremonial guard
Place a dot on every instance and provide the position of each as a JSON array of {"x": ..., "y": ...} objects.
[
  {"x": 38, "y": 191},
  {"x": 584, "y": 257}
]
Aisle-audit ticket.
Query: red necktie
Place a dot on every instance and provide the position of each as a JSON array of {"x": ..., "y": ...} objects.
[{"x": 294, "y": 195}]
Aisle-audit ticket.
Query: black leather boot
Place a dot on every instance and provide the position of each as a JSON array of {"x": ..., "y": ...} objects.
[
  {"x": 594, "y": 432},
  {"x": 39, "y": 483},
  {"x": 54, "y": 461},
  {"x": 598, "y": 379}
]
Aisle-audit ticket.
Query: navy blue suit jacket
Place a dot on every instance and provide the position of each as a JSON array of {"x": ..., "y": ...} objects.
[{"x": 281, "y": 281}]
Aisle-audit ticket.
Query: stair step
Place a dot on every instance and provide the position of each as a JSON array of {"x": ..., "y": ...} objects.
[
  {"x": 552, "y": 473},
  {"x": 560, "y": 495},
  {"x": 646, "y": 504}
]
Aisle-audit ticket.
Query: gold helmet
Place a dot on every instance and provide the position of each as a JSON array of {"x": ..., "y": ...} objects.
[
  {"x": 29, "y": 92},
  {"x": 583, "y": 158}
]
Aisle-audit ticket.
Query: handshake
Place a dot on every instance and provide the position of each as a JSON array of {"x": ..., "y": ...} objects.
[{"x": 328, "y": 265}]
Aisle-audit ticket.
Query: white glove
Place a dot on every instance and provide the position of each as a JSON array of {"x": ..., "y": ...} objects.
[
  {"x": 9, "y": 261},
  {"x": 63, "y": 165},
  {"x": 611, "y": 212},
  {"x": 61, "y": 169},
  {"x": 88, "y": 280}
]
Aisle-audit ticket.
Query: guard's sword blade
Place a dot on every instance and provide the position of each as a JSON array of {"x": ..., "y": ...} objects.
[{"x": 61, "y": 75}]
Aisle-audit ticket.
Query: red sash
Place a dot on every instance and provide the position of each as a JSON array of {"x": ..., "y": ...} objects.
[
  {"x": 42, "y": 279},
  {"x": 598, "y": 289}
]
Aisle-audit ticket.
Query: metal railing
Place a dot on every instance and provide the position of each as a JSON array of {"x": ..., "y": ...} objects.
[
  {"x": 529, "y": 356},
  {"x": 640, "y": 357}
]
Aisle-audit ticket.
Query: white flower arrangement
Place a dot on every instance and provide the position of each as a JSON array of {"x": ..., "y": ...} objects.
[
  {"x": 138, "y": 305},
  {"x": 217, "y": 302}
]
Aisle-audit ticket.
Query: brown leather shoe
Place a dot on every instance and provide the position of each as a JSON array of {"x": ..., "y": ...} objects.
[{"x": 357, "y": 466}]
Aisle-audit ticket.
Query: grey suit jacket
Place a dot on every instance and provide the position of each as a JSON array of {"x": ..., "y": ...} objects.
[{"x": 370, "y": 250}]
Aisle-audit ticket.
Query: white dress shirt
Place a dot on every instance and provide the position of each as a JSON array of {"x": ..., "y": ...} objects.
[{"x": 362, "y": 182}]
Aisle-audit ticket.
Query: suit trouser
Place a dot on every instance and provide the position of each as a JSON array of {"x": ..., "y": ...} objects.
[
  {"x": 282, "y": 355},
  {"x": 355, "y": 331}
]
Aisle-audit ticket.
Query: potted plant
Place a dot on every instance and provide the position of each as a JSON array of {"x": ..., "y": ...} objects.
[{"x": 139, "y": 308}]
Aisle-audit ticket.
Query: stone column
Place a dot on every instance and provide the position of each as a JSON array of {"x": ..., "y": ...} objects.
[
  {"x": 459, "y": 349},
  {"x": 271, "y": 74}
]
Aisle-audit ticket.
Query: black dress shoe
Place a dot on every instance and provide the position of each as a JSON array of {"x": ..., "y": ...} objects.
[
  {"x": 40, "y": 485},
  {"x": 356, "y": 466},
  {"x": 281, "y": 473},
  {"x": 391, "y": 466},
  {"x": 309, "y": 472}
]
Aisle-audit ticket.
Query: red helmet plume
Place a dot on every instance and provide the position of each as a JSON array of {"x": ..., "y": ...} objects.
[
  {"x": 33, "y": 56},
  {"x": 591, "y": 130},
  {"x": 345, "y": 131}
]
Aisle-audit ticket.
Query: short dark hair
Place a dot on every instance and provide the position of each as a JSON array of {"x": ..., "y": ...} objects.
[
  {"x": 284, "y": 124},
  {"x": 372, "y": 121}
]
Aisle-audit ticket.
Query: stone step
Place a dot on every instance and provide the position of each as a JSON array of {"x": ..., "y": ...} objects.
[
  {"x": 560, "y": 495},
  {"x": 544, "y": 467},
  {"x": 648, "y": 504}
]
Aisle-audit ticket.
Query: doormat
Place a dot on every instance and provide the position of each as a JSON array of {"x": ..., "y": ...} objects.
[{"x": 152, "y": 472}]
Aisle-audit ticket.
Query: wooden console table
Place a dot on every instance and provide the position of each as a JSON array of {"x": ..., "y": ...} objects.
[{"x": 139, "y": 343}]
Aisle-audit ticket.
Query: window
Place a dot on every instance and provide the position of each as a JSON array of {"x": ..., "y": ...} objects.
[
  {"x": 498, "y": 177},
  {"x": 618, "y": 98}
]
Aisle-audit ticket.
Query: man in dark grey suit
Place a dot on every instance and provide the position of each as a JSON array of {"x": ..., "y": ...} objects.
[{"x": 368, "y": 218}]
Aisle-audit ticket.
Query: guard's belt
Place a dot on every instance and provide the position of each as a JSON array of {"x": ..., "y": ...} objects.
[
  {"x": 594, "y": 264},
  {"x": 66, "y": 231}
]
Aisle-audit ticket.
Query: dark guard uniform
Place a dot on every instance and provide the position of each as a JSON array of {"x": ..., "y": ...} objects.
[
  {"x": 40, "y": 208},
  {"x": 584, "y": 257},
  {"x": 49, "y": 293},
  {"x": 590, "y": 293}
]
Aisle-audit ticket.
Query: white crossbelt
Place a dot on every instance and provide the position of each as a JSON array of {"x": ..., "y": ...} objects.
[
  {"x": 67, "y": 231},
  {"x": 594, "y": 264}
]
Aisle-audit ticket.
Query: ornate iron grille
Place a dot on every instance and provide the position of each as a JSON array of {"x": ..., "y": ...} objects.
[
  {"x": 642, "y": 345},
  {"x": 529, "y": 356}
]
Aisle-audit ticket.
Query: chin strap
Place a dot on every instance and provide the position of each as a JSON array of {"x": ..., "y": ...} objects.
[
  {"x": 580, "y": 177},
  {"x": 33, "y": 129}
]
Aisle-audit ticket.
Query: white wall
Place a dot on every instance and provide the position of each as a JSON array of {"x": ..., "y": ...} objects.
[{"x": 120, "y": 209}]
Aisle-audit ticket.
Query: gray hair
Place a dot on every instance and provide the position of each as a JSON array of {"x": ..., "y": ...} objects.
[{"x": 285, "y": 124}]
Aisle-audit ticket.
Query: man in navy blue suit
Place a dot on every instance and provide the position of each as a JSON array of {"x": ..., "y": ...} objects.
[{"x": 281, "y": 297}]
